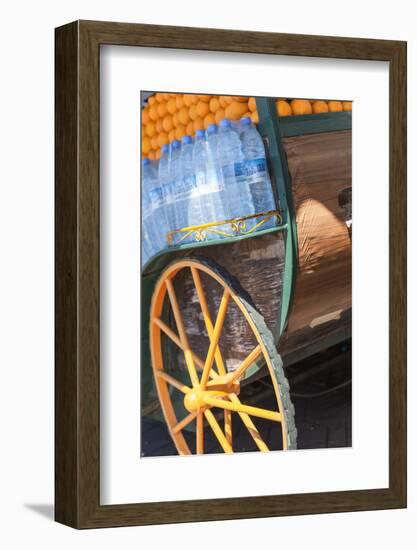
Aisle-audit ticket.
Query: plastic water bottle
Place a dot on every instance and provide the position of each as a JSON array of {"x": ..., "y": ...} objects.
[
  {"x": 146, "y": 243},
  {"x": 178, "y": 189},
  {"x": 215, "y": 175},
  {"x": 256, "y": 170},
  {"x": 151, "y": 240},
  {"x": 181, "y": 163},
  {"x": 191, "y": 204},
  {"x": 165, "y": 183},
  {"x": 154, "y": 217},
  {"x": 230, "y": 156},
  {"x": 210, "y": 189}
]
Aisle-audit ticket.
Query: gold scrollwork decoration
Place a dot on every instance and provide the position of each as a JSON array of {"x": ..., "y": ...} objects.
[{"x": 226, "y": 228}]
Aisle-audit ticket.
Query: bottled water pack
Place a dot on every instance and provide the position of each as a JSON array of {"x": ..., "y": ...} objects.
[{"x": 221, "y": 175}]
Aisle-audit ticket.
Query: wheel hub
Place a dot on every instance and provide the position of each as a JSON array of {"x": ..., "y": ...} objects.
[
  {"x": 219, "y": 387},
  {"x": 194, "y": 400}
]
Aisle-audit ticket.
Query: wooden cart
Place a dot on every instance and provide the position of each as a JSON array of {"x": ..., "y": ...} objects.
[{"x": 221, "y": 315}]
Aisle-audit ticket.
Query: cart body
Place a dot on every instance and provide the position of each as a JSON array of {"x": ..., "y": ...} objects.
[{"x": 299, "y": 272}]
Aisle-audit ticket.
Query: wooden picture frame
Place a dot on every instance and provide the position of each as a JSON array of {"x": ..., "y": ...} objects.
[{"x": 77, "y": 373}]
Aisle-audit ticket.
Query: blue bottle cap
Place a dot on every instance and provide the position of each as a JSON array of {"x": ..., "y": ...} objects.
[
  {"x": 187, "y": 140},
  {"x": 165, "y": 148},
  {"x": 212, "y": 129},
  {"x": 146, "y": 161},
  {"x": 225, "y": 123},
  {"x": 200, "y": 133},
  {"x": 246, "y": 121},
  {"x": 176, "y": 144}
]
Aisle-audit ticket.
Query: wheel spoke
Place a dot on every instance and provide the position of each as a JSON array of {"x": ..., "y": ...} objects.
[
  {"x": 171, "y": 334},
  {"x": 184, "y": 422},
  {"x": 221, "y": 316},
  {"x": 253, "y": 411},
  {"x": 207, "y": 318},
  {"x": 218, "y": 432},
  {"x": 247, "y": 421},
  {"x": 246, "y": 363},
  {"x": 173, "y": 381},
  {"x": 168, "y": 331},
  {"x": 182, "y": 334},
  {"x": 228, "y": 426},
  {"x": 200, "y": 433}
]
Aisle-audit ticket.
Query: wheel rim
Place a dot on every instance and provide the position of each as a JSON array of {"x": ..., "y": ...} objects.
[{"x": 210, "y": 387}]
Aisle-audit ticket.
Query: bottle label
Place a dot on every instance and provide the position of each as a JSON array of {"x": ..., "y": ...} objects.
[
  {"x": 206, "y": 185},
  {"x": 156, "y": 197},
  {"x": 255, "y": 169},
  {"x": 168, "y": 196},
  {"x": 184, "y": 188},
  {"x": 234, "y": 170}
]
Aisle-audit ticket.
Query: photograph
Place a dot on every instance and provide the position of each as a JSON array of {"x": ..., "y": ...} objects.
[
  {"x": 207, "y": 280},
  {"x": 246, "y": 273}
]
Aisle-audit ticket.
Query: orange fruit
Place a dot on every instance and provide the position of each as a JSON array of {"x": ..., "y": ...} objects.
[
  {"x": 186, "y": 98},
  {"x": 190, "y": 128},
  {"x": 151, "y": 155},
  {"x": 335, "y": 106},
  {"x": 179, "y": 102},
  {"x": 214, "y": 104},
  {"x": 146, "y": 145},
  {"x": 283, "y": 108},
  {"x": 150, "y": 129},
  {"x": 151, "y": 100},
  {"x": 236, "y": 110},
  {"x": 145, "y": 116},
  {"x": 206, "y": 98},
  {"x": 224, "y": 101},
  {"x": 239, "y": 98},
  {"x": 252, "y": 104},
  {"x": 220, "y": 115},
  {"x": 246, "y": 115},
  {"x": 193, "y": 112},
  {"x": 162, "y": 109},
  {"x": 255, "y": 117},
  {"x": 179, "y": 131},
  {"x": 347, "y": 105},
  {"x": 162, "y": 139},
  {"x": 320, "y": 106},
  {"x": 301, "y": 107},
  {"x": 159, "y": 97},
  {"x": 154, "y": 142},
  {"x": 153, "y": 113},
  {"x": 158, "y": 125},
  {"x": 166, "y": 96},
  {"x": 171, "y": 135},
  {"x": 167, "y": 123},
  {"x": 183, "y": 116},
  {"x": 158, "y": 154},
  {"x": 202, "y": 109},
  {"x": 209, "y": 119},
  {"x": 175, "y": 120},
  {"x": 198, "y": 124},
  {"x": 171, "y": 105}
]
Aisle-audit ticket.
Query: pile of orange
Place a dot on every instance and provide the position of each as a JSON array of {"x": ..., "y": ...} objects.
[
  {"x": 167, "y": 117},
  {"x": 287, "y": 107}
]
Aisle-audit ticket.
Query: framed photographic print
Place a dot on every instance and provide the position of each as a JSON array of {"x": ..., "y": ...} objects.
[{"x": 230, "y": 274}]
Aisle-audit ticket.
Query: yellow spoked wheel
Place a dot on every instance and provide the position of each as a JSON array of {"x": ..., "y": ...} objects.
[{"x": 210, "y": 393}]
